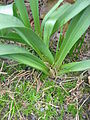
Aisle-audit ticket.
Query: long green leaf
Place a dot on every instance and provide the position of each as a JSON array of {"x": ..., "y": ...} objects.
[
  {"x": 36, "y": 43},
  {"x": 7, "y": 21},
  {"x": 11, "y": 49},
  {"x": 61, "y": 16},
  {"x": 75, "y": 66},
  {"x": 49, "y": 25},
  {"x": 35, "y": 12},
  {"x": 8, "y": 34},
  {"x": 23, "y": 12},
  {"x": 15, "y": 11},
  {"x": 29, "y": 60},
  {"x": 27, "y": 35},
  {"x": 75, "y": 9},
  {"x": 50, "y": 12},
  {"x": 23, "y": 56},
  {"x": 76, "y": 29}
]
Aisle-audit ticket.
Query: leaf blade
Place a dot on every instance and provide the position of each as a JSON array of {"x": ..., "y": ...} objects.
[
  {"x": 77, "y": 27},
  {"x": 23, "y": 56},
  {"x": 11, "y": 49},
  {"x": 61, "y": 16},
  {"x": 6, "y": 21},
  {"x": 75, "y": 9},
  {"x": 6, "y": 9},
  {"x": 75, "y": 66},
  {"x": 7, "y": 34},
  {"x": 50, "y": 12},
  {"x": 36, "y": 43},
  {"x": 49, "y": 25},
  {"x": 31, "y": 61},
  {"x": 35, "y": 12},
  {"x": 23, "y": 12},
  {"x": 27, "y": 35}
]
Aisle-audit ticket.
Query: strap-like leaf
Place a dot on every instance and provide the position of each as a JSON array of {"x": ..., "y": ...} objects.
[
  {"x": 7, "y": 9},
  {"x": 7, "y": 34},
  {"x": 75, "y": 66},
  {"x": 62, "y": 15},
  {"x": 32, "y": 61},
  {"x": 75, "y": 9},
  {"x": 10, "y": 34},
  {"x": 76, "y": 29},
  {"x": 23, "y": 12},
  {"x": 48, "y": 28},
  {"x": 7, "y": 21},
  {"x": 50, "y": 12},
  {"x": 11, "y": 49},
  {"x": 27, "y": 35},
  {"x": 15, "y": 11},
  {"x": 36, "y": 43},
  {"x": 23, "y": 56},
  {"x": 35, "y": 12}
]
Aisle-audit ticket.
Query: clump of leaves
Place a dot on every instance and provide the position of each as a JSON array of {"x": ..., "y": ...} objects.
[{"x": 15, "y": 26}]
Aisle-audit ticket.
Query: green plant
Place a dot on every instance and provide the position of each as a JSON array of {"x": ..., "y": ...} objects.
[
  {"x": 17, "y": 28},
  {"x": 77, "y": 47},
  {"x": 72, "y": 109}
]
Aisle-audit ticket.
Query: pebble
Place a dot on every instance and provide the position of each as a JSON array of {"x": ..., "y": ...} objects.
[{"x": 89, "y": 79}]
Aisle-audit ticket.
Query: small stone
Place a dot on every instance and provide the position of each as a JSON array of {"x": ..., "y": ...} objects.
[
  {"x": 84, "y": 116},
  {"x": 89, "y": 72},
  {"x": 42, "y": 109},
  {"x": 89, "y": 79}
]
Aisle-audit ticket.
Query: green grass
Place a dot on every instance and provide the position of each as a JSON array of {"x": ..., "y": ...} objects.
[
  {"x": 27, "y": 101},
  {"x": 20, "y": 97}
]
